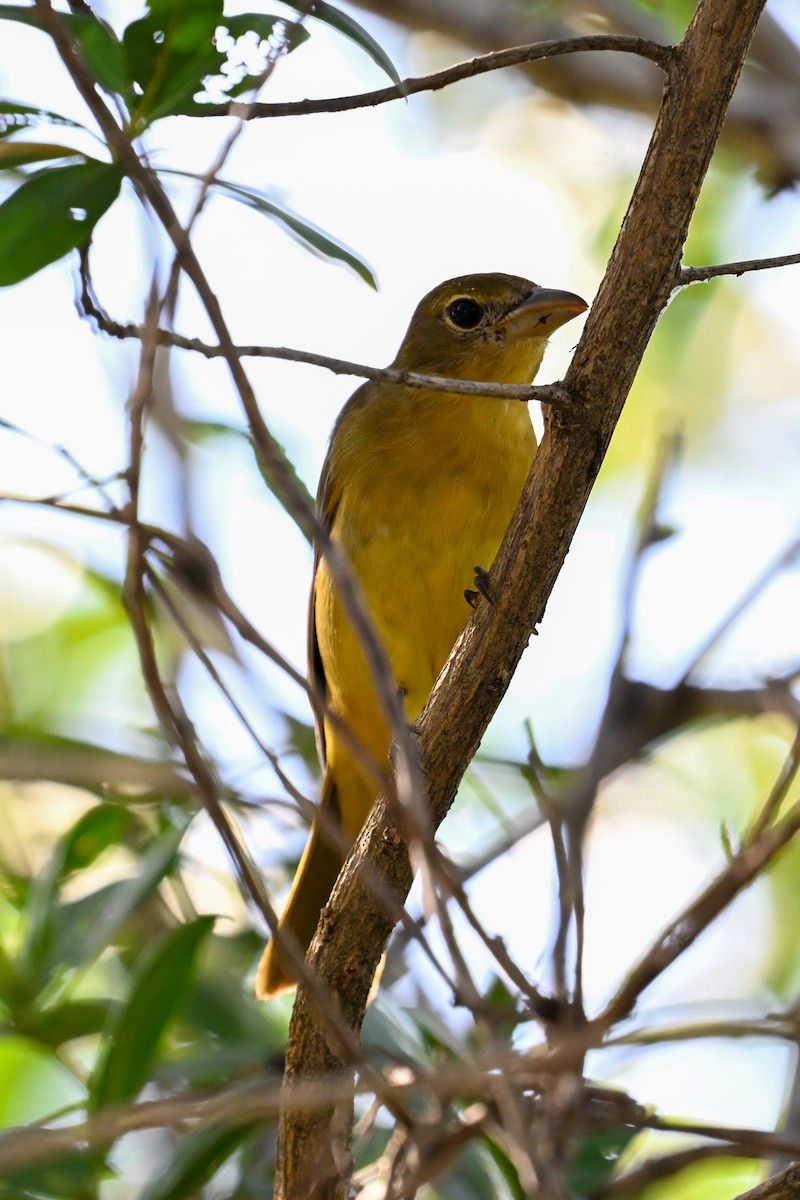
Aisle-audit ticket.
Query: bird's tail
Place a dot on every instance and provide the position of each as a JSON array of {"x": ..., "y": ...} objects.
[{"x": 316, "y": 874}]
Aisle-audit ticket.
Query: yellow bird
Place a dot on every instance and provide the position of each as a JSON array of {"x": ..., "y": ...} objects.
[{"x": 418, "y": 487}]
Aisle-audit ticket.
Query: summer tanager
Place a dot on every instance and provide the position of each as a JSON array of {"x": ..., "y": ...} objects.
[{"x": 418, "y": 488}]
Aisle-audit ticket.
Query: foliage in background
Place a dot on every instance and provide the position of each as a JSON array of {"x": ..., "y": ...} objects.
[{"x": 117, "y": 985}]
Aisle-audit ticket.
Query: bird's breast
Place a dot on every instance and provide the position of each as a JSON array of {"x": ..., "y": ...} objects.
[{"x": 424, "y": 500}]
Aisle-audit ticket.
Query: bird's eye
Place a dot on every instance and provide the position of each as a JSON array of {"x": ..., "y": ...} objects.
[{"x": 464, "y": 312}]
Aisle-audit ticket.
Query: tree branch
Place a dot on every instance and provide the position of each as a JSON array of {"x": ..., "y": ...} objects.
[
  {"x": 550, "y": 393},
  {"x": 785, "y": 1186},
  {"x": 703, "y": 274},
  {"x": 759, "y": 848},
  {"x": 497, "y": 60}
]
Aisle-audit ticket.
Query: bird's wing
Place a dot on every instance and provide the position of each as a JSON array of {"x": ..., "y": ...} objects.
[{"x": 328, "y": 496}]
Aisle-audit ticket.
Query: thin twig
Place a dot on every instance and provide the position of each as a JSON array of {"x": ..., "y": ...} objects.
[
  {"x": 549, "y": 393},
  {"x": 179, "y": 730},
  {"x": 633, "y": 1182},
  {"x": 688, "y": 275},
  {"x": 169, "y": 712},
  {"x": 756, "y": 854},
  {"x": 515, "y": 56},
  {"x": 407, "y": 774},
  {"x": 759, "y": 1142},
  {"x": 779, "y": 792},
  {"x": 748, "y": 597}
]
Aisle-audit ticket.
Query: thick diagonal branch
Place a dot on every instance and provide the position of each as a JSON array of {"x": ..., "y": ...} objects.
[{"x": 313, "y": 1145}]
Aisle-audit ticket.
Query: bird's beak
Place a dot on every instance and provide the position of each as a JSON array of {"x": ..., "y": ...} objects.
[{"x": 542, "y": 311}]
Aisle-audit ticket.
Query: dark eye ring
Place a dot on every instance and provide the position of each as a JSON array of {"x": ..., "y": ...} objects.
[{"x": 465, "y": 312}]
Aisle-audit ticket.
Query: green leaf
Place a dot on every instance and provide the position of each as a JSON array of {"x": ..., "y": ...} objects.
[
  {"x": 67, "y": 1021},
  {"x": 160, "y": 986},
  {"x": 224, "y": 67},
  {"x": 200, "y": 432},
  {"x": 100, "y": 827},
  {"x": 75, "y": 1173},
  {"x": 264, "y": 26},
  {"x": 101, "y": 50},
  {"x": 299, "y": 228},
  {"x": 19, "y": 154},
  {"x": 33, "y": 1083},
  {"x": 123, "y": 898},
  {"x": 31, "y": 754},
  {"x": 195, "y": 1160},
  {"x": 14, "y": 117},
  {"x": 64, "y": 935},
  {"x": 507, "y": 1169},
  {"x": 170, "y": 51},
  {"x": 92, "y": 833},
  {"x": 290, "y": 467},
  {"x": 595, "y": 1158},
  {"x": 97, "y": 42},
  {"x": 351, "y": 29},
  {"x": 291, "y": 33},
  {"x": 51, "y": 214}
]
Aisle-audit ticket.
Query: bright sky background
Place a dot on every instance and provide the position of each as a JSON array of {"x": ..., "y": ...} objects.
[{"x": 488, "y": 177}]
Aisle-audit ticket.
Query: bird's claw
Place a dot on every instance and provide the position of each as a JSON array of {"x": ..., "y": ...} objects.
[
  {"x": 482, "y": 583},
  {"x": 481, "y": 577}
]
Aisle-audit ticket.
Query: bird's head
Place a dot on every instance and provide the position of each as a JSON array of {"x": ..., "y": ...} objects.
[{"x": 492, "y": 328}]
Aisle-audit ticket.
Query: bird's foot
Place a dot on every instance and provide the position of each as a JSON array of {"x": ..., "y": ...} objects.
[{"x": 482, "y": 583}]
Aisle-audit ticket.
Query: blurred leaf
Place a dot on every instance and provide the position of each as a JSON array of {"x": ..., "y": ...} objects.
[
  {"x": 221, "y": 1008},
  {"x": 33, "y": 1083},
  {"x": 262, "y": 24},
  {"x": 226, "y": 71},
  {"x": 14, "y": 117},
  {"x": 19, "y": 154},
  {"x": 595, "y": 1158},
  {"x": 75, "y": 1173},
  {"x": 290, "y": 467},
  {"x": 123, "y": 898},
  {"x": 675, "y": 16},
  {"x": 715, "y": 1179},
  {"x": 97, "y": 42},
  {"x": 9, "y": 978},
  {"x": 32, "y": 755},
  {"x": 394, "y": 1028},
  {"x": 202, "y": 431},
  {"x": 170, "y": 51},
  {"x": 96, "y": 830},
  {"x": 65, "y": 935},
  {"x": 344, "y": 24},
  {"x": 91, "y": 834},
  {"x": 303, "y": 741},
  {"x": 195, "y": 1160},
  {"x": 52, "y": 213},
  {"x": 303, "y": 231},
  {"x": 101, "y": 49},
  {"x": 160, "y": 986},
  {"x": 473, "y": 1176},
  {"x": 67, "y": 1021},
  {"x": 292, "y": 34},
  {"x": 503, "y": 1016},
  {"x": 507, "y": 1169}
]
